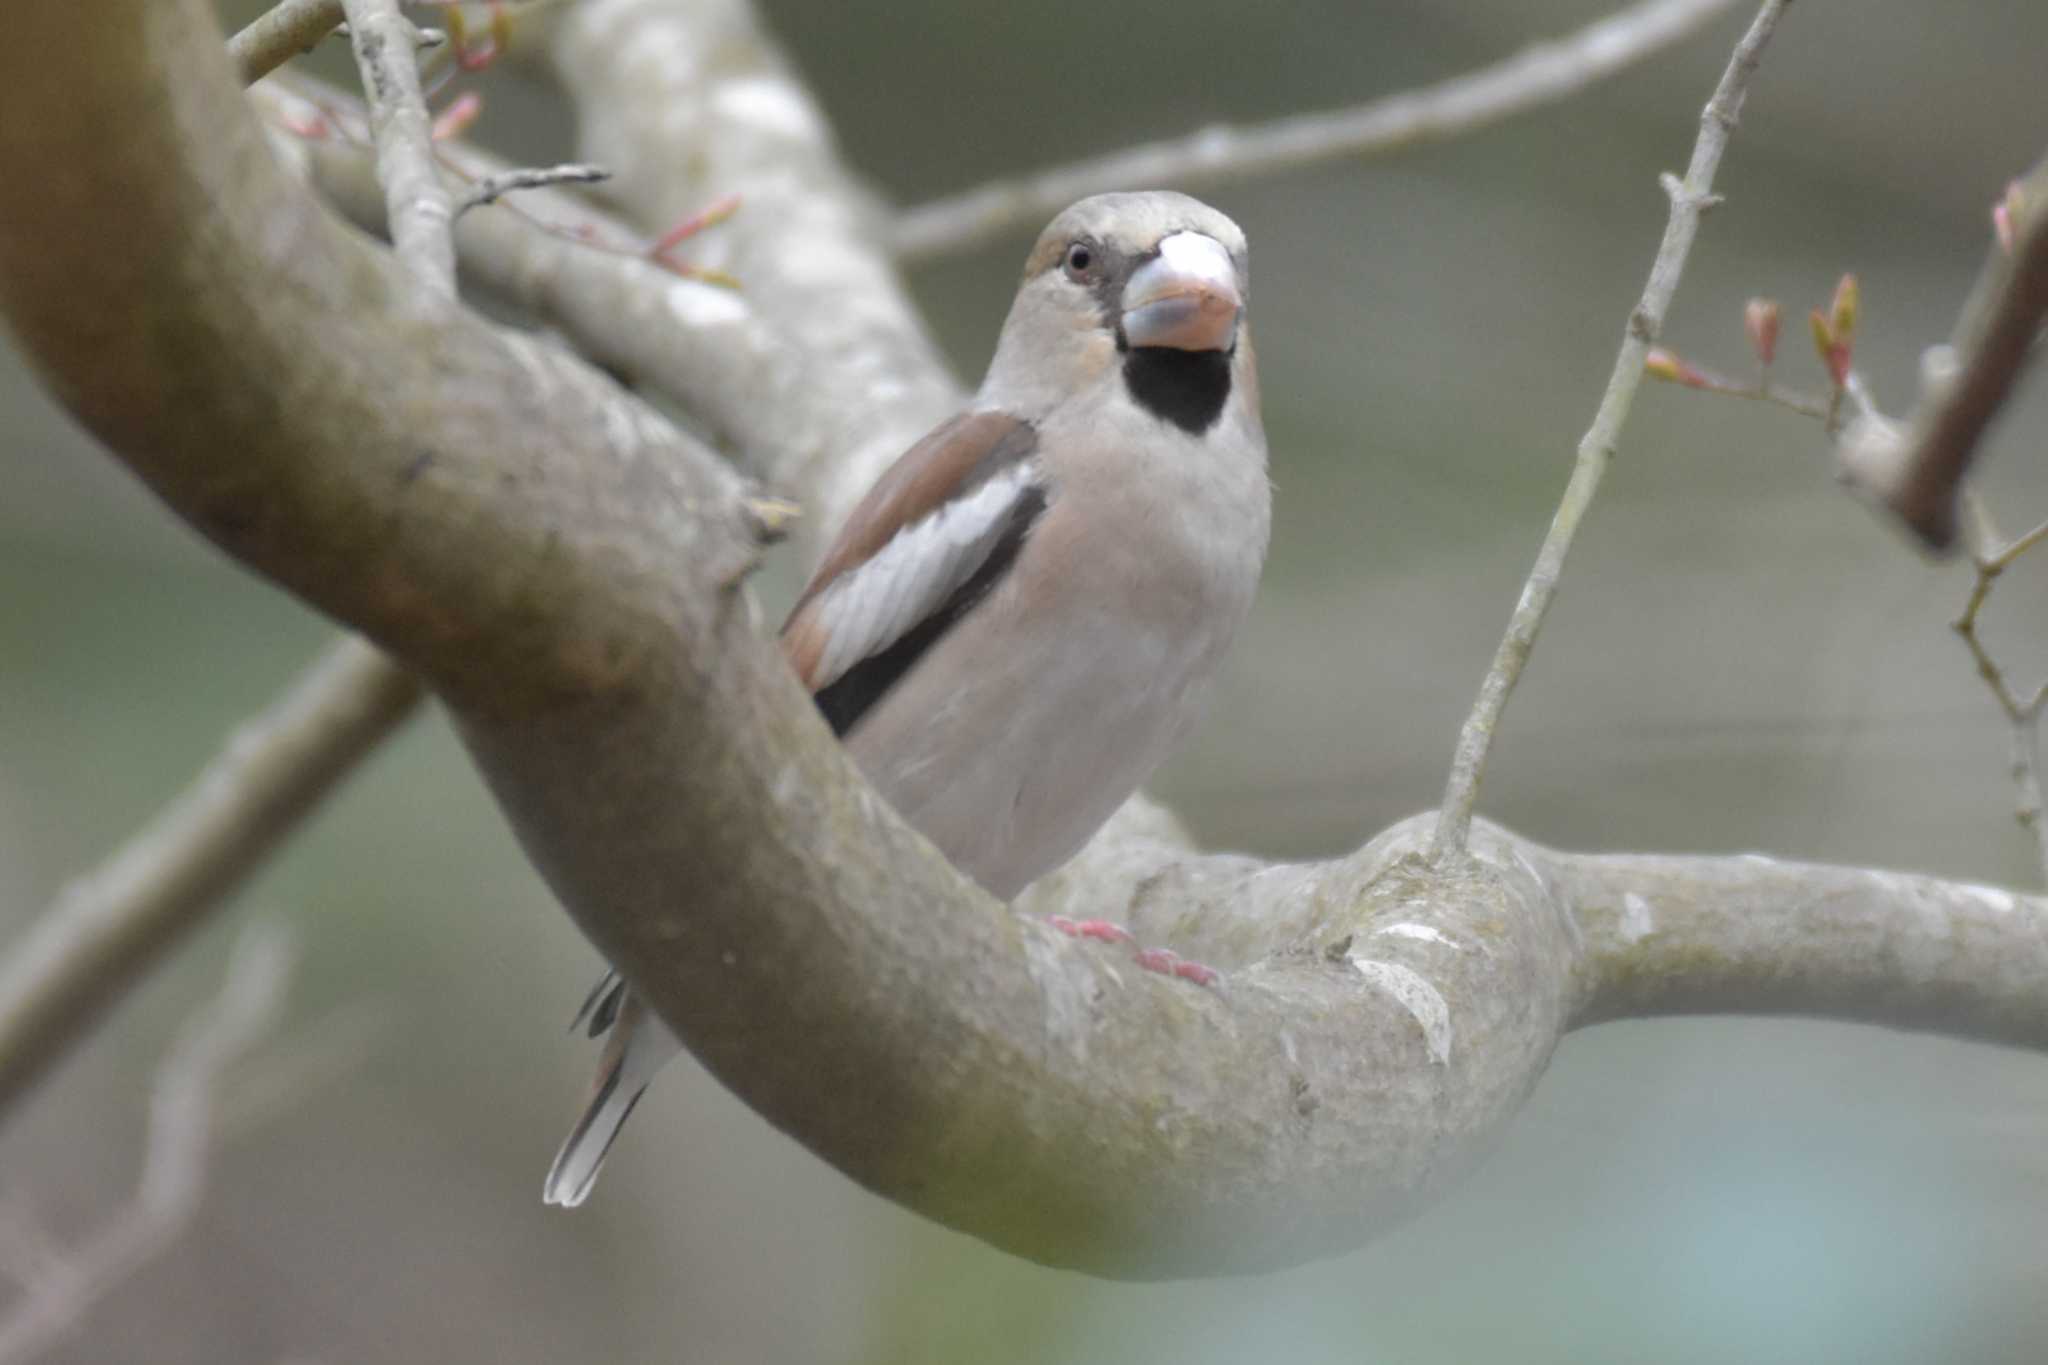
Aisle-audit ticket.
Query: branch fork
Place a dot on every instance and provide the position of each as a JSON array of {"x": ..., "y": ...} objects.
[{"x": 557, "y": 575}]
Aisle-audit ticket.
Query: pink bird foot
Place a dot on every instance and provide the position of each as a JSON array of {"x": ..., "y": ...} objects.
[
  {"x": 1091, "y": 928},
  {"x": 1165, "y": 961}
]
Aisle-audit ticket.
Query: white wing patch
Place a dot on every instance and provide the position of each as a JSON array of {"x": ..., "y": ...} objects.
[{"x": 871, "y": 607}]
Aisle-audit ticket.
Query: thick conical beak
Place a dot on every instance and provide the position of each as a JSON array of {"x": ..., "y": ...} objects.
[{"x": 1186, "y": 297}]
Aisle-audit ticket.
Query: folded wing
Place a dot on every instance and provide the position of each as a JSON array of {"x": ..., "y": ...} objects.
[{"x": 927, "y": 545}]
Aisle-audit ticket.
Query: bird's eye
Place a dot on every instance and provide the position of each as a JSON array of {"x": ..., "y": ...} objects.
[{"x": 1079, "y": 258}]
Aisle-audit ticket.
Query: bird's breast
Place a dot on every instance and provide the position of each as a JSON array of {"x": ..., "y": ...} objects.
[{"x": 1058, "y": 695}]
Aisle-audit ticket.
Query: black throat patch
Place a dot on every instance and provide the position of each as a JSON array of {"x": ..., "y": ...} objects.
[{"x": 1186, "y": 388}]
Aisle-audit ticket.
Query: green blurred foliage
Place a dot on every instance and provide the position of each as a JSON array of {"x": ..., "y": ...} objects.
[{"x": 1742, "y": 658}]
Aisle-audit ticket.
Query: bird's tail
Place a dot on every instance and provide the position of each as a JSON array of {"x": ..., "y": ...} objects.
[{"x": 638, "y": 1045}]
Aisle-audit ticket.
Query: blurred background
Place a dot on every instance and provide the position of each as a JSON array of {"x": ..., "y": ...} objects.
[{"x": 1742, "y": 659}]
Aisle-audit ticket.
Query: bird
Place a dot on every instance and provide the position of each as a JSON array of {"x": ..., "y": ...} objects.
[{"x": 1015, "y": 624}]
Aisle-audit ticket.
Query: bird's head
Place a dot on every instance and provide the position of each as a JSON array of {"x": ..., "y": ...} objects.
[{"x": 1148, "y": 288}]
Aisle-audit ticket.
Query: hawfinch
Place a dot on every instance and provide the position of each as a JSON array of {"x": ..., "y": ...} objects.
[{"x": 1010, "y": 631}]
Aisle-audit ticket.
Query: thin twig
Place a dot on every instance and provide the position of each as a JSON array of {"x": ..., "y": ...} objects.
[
  {"x": 1688, "y": 374},
  {"x": 280, "y": 1078},
  {"x": 1538, "y": 75},
  {"x": 417, "y": 201},
  {"x": 278, "y": 35},
  {"x": 108, "y": 927},
  {"x": 1965, "y": 385},
  {"x": 1992, "y": 557},
  {"x": 491, "y": 187},
  {"x": 180, "y": 1140},
  {"x": 2025, "y": 767},
  {"x": 1689, "y": 198}
]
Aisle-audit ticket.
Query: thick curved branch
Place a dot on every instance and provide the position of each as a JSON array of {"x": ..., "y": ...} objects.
[
  {"x": 558, "y": 565},
  {"x": 108, "y": 927},
  {"x": 1539, "y": 75},
  {"x": 384, "y": 454}
]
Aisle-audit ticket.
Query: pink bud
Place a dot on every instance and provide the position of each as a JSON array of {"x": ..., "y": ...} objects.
[
  {"x": 2005, "y": 216},
  {"x": 1760, "y": 321},
  {"x": 459, "y": 116},
  {"x": 312, "y": 126},
  {"x": 1662, "y": 364}
]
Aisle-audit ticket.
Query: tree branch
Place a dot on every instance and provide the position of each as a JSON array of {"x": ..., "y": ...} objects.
[
  {"x": 1964, "y": 386},
  {"x": 182, "y": 1123},
  {"x": 559, "y": 567},
  {"x": 1992, "y": 556},
  {"x": 589, "y": 275},
  {"x": 685, "y": 123},
  {"x": 416, "y": 201},
  {"x": 280, "y": 34},
  {"x": 109, "y": 927},
  {"x": 1761, "y": 936},
  {"x": 1541, "y": 74},
  {"x": 1689, "y": 199},
  {"x": 105, "y": 932},
  {"x": 493, "y": 188}
]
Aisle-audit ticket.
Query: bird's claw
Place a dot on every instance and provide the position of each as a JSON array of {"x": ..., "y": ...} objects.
[
  {"x": 1169, "y": 963},
  {"x": 1165, "y": 961},
  {"x": 1091, "y": 928}
]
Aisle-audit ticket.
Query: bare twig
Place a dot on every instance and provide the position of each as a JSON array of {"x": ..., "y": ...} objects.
[
  {"x": 1541, "y": 74},
  {"x": 1871, "y": 452},
  {"x": 278, "y": 35},
  {"x": 180, "y": 1140},
  {"x": 2024, "y": 765},
  {"x": 110, "y": 926},
  {"x": 1689, "y": 198},
  {"x": 1964, "y": 386},
  {"x": 1855, "y": 391},
  {"x": 386, "y": 46},
  {"x": 1762, "y": 389},
  {"x": 279, "y": 1079},
  {"x": 492, "y": 187},
  {"x": 1992, "y": 557}
]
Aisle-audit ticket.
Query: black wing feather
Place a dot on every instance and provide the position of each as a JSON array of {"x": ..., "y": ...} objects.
[{"x": 849, "y": 697}]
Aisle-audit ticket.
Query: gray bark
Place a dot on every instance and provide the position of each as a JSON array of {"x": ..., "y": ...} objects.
[{"x": 562, "y": 567}]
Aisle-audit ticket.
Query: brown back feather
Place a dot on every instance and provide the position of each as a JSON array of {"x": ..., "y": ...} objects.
[{"x": 957, "y": 457}]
